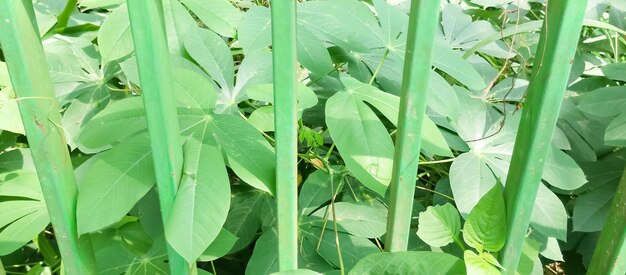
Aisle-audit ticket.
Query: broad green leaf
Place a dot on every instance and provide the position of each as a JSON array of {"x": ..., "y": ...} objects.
[
  {"x": 562, "y": 171},
  {"x": 113, "y": 182},
  {"x": 392, "y": 21},
  {"x": 219, "y": 15},
  {"x": 114, "y": 38},
  {"x": 591, "y": 209},
  {"x": 358, "y": 219},
  {"x": 219, "y": 247},
  {"x": 244, "y": 219},
  {"x": 348, "y": 24},
  {"x": 249, "y": 154},
  {"x": 353, "y": 248},
  {"x": 264, "y": 259},
  {"x": 194, "y": 91},
  {"x": 616, "y": 71},
  {"x": 433, "y": 141},
  {"x": 471, "y": 178},
  {"x": 312, "y": 53},
  {"x": 478, "y": 265},
  {"x": 177, "y": 21},
  {"x": 255, "y": 29},
  {"x": 413, "y": 262},
  {"x": 116, "y": 122},
  {"x": 529, "y": 261},
  {"x": 485, "y": 227},
  {"x": 316, "y": 191},
  {"x": 23, "y": 212},
  {"x": 255, "y": 69},
  {"x": 616, "y": 131},
  {"x": 203, "y": 198},
  {"x": 263, "y": 119},
  {"x": 82, "y": 109},
  {"x": 453, "y": 64},
  {"x": 213, "y": 55},
  {"x": 371, "y": 159},
  {"x": 604, "y": 102},
  {"x": 549, "y": 216},
  {"x": 439, "y": 225}
]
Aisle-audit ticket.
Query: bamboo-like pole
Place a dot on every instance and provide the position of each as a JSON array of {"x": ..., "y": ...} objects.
[
  {"x": 40, "y": 114},
  {"x": 553, "y": 61},
  {"x": 423, "y": 22},
  {"x": 609, "y": 256},
  {"x": 153, "y": 61},
  {"x": 285, "y": 119}
]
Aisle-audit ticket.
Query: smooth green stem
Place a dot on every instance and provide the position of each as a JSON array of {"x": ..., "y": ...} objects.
[
  {"x": 555, "y": 52},
  {"x": 64, "y": 17},
  {"x": 153, "y": 60},
  {"x": 380, "y": 65},
  {"x": 30, "y": 78},
  {"x": 609, "y": 256},
  {"x": 286, "y": 121},
  {"x": 423, "y": 22}
]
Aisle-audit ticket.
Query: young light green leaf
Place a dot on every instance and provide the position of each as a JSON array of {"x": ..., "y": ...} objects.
[
  {"x": 412, "y": 262},
  {"x": 195, "y": 220},
  {"x": 485, "y": 227},
  {"x": 479, "y": 264},
  {"x": 439, "y": 225}
]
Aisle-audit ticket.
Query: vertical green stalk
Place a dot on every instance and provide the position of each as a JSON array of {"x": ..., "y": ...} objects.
[
  {"x": 153, "y": 60},
  {"x": 609, "y": 256},
  {"x": 553, "y": 61},
  {"x": 285, "y": 119},
  {"x": 41, "y": 117},
  {"x": 423, "y": 21},
  {"x": 64, "y": 17}
]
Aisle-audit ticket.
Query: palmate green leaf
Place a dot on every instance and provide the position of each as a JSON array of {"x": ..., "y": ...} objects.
[
  {"x": 616, "y": 71},
  {"x": 433, "y": 141},
  {"x": 353, "y": 248},
  {"x": 439, "y": 225},
  {"x": 219, "y": 247},
  {"x": 112, "y": 182},
  {"x": 177, "y": 21},
  {"x": 255, "y": 69},
  {"x": 249, "y": 154},
  {"x": 116, "y": 258},
  {"x": 591, "y": 209},
  {"x": 453, "y": 64},
  {"x": 479, "y": 264},
  {"x": 485, "y": 227},
  {"x": 23, "y": 212},
  {"x": 114, "y": 38},
  {"x": 219, "y": 15},
  {"x": 413, "y": 262},
  {"x": 316, "y": 191},
  {"x": 82, "y": 109},
  {"x": 203, "y": 198},
  {"x": 263, "y": 117},
  {"x": 255, "y": 29},
  {"x": 371, "y": 158},
  {"x": 358, "y": 219},
  {"x": 213, "y": 55},
  {"x": 562, "y": 171},
  {"x": 312, "y": 53},
  {"x": 549, "y": 216}
]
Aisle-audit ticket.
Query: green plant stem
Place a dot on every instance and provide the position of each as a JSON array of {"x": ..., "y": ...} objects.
[
  {"x": 609, "y": 256},
  {"x": 423, "y": 22},
  {"x": 380, "y": 65},
  {"x": 556, "y": 48},
  {"x": 148, "y": 31},
  {"x": 283, "y": 14},
  {"x": 332, "y": 205},
  {"x": 29, "y": 75},
  {"x": 64, "y": 17}
]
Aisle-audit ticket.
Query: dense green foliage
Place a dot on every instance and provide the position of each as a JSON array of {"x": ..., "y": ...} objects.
[{"x": 351, "y": 55}]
